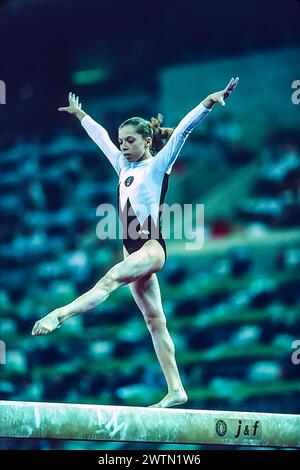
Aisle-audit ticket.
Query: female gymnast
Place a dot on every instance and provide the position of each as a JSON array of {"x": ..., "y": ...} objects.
[{"x": 142, "y": 187}]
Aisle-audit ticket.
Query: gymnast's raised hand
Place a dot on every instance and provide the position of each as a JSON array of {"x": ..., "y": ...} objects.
[
  {"x": 74, "y": 106},
  {"x": 220, "y": 96}
]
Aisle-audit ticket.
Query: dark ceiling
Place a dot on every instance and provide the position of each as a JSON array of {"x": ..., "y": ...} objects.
[{"x": 44, "y": 41}]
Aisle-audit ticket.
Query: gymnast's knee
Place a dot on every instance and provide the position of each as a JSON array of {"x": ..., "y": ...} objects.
[
  {"x": 155, "y": 323},
  {"x": 108, "y": 281},
  {"x": 155, "y": 256}
]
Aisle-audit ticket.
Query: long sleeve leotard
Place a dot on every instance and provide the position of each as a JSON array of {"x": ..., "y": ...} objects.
[{"x": 143, "y": 184}]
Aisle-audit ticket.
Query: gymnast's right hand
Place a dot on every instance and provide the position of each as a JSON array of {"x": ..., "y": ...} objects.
[{"x": 74, "y": 105}]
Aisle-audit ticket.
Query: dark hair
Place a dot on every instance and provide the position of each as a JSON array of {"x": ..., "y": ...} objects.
[{"x": 159, "y": 135}]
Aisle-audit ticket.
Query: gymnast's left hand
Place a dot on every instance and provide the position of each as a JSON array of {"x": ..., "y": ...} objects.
[{"x": 221, "y": 96}]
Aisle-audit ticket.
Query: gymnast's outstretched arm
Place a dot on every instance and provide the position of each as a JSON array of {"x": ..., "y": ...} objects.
[
  {"x": 166, "y": 157},
  {"x": 97, "y": 133}
]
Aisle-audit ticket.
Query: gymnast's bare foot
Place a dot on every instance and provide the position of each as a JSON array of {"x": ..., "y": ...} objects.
[
  {"x": 47, "y": 324},
  {"x": 176, "y": 397}
]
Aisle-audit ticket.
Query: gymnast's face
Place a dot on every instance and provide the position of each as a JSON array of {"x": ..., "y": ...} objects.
[{"x": 133, "y": 145}]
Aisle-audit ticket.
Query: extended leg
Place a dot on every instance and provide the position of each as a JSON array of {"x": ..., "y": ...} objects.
[{"x": 148, "y": 259}]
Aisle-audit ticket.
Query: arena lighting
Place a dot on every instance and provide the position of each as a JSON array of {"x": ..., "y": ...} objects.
[
  {"x": 136, "y": 424},
  {"x": 89, "y": 77}
]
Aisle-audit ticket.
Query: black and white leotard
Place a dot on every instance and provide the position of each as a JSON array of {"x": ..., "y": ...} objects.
[{"x": 143, "y": 184}]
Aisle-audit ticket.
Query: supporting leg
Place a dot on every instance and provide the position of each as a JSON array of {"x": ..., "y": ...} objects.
[{"x": 146, "y": 293}]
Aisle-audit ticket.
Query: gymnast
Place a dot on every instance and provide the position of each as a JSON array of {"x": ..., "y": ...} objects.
[{"x": 143, "y": 163}]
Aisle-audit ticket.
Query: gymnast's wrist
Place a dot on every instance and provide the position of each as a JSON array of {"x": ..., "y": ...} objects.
[
  {"x": 208, "y": 102},
  {"x": 80, "y": 114}
]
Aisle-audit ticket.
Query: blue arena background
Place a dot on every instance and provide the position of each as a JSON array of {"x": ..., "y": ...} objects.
[{"x": 233, "y": 307}]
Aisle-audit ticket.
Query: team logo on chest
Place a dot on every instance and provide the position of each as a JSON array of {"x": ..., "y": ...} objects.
[{"x": 129, "y": 180}]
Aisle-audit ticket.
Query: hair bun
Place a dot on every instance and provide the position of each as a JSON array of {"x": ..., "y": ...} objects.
[
  {"x": 155, "y": 122},
  {"x": 160, "y": 134}
]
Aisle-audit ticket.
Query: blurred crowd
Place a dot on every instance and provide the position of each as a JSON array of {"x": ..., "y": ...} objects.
[
  {"x": 275, "y": 200},
  {"x": 233, "y": 324}
]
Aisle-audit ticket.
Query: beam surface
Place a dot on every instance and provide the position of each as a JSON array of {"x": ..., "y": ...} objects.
[{"x": 135, "y": 424}]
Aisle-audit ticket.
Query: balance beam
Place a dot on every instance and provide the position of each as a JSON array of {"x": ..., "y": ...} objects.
[{"x": 135, "y": 424}]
